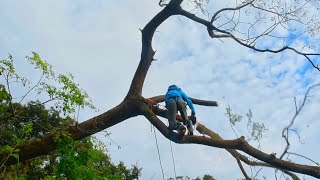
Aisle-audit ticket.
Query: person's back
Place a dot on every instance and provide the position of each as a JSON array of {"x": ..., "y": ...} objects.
[
  {"x": 175, "y": 100},
  {"x": 173, "y": 91}
]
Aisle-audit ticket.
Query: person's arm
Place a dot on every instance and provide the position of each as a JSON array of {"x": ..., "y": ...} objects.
[{"x": 189, "y": 102}]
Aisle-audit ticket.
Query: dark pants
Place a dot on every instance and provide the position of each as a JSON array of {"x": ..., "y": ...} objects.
[{"x": 173, "y": 107}]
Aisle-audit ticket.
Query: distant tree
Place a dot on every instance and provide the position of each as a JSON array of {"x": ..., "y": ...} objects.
[
  {"x": 249, "y": 23},
  {"x": 205, "y": 177},
  {"x": 208, "y": 177}
]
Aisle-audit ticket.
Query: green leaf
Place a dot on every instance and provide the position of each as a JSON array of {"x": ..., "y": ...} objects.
[
  {"x": 15, "y": 155},
  {"x": 36, "y": 60}
]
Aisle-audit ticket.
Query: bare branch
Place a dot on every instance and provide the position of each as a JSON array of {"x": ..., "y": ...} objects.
[
  {"x": 285, "y": 15},
  {"x": 242, "y": 169},
  {"x": 39, "y": 81},
  {"x": 285, "y": 131},
  {"x": 226, "y": 34},
  {"x": 230, "y": 9},
  {"x": 296, "y": 154},
  {"x": 296, "y": 132}
]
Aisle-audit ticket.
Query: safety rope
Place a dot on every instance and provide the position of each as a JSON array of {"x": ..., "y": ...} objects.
[
  {"x": 172, "y": 156},
  {"x": 155, "y": 137},
  {"x": 174, "y": 165}
]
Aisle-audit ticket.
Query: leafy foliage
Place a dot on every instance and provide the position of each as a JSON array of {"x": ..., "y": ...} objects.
[
  {"x": 36, "y": 60},
  {"x": 85, "y": 159},
  {"x": 255, "y": 129},
  {"x": 69, "y": 94},
  {"x": 233, "y": 118},
  {"x": 88, "y": 159}
]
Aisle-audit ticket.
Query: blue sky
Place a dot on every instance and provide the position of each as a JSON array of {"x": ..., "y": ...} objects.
[{"x": 99, "y": 42}]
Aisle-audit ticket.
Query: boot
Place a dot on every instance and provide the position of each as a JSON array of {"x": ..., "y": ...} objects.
[
  {"x": 172, "y": 126},
  {"x": 182, "y": 130}
]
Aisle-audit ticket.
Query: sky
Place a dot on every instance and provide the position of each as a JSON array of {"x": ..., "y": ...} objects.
[{"x": 99, "y": 42}]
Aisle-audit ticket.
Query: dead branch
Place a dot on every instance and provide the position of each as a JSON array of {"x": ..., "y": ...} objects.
[
  {"x": 285, "y": 131},
  {"x": 225, "y": 34}
]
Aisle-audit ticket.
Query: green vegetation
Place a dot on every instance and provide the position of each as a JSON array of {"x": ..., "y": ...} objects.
[{"x": 20, "y": 122}]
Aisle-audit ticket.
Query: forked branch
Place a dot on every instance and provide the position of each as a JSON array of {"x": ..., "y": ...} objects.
[
  {"x": 285, "y": 131},
  {"x": 225, "y": 34}
]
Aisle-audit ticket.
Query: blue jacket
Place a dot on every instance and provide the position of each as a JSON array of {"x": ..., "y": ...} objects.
[{"x": 175, "y": 92}]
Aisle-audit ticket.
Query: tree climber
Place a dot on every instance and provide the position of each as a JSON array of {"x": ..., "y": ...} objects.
[{"x": 176, "y": 100}]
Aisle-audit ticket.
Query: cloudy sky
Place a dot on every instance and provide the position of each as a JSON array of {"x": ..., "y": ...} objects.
[{"x": 99, "y": 42}]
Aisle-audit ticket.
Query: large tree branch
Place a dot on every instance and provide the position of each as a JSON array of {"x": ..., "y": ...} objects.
[
  {"x": 270, "y": 160},
  {"x": 160, "y": 98},
  {"x": 45, "y": 144},
  {"x": 147, "y": 52}
]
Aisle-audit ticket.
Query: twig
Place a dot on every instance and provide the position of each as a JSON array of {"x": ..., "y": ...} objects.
[{"x": 285, "y": 131}]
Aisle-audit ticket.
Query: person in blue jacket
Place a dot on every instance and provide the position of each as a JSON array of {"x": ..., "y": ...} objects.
[{"x": 175, "y": 100}]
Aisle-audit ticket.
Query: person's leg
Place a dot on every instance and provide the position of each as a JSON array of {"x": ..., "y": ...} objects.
[
  {"x": 182, "y": 109},
  {"x": 181, "y": 106},
  {"x": 171, "y": 114},
  {"x": 190, "y": 127}
]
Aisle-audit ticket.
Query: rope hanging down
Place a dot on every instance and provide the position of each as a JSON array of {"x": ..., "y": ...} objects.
[
  {"x": 174, "y": 165},
  {"x": 155, "y": 137},
  {"x": 172, "y": 156}
]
